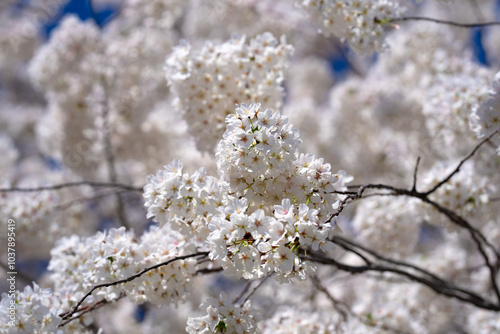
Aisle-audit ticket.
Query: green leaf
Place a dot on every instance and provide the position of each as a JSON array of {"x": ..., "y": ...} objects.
[{"x": 221, "y": 327}]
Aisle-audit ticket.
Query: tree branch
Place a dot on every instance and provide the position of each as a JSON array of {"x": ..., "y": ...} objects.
[
  {"x": 87, "y": 309},
  {"x": 75, "y": 308},
  {"x": 74, "y": 184},
  {"x": 431, "y": 280},
  {"x": 68, "y": 204},
  {"x": 435, "y": 285},
  {"x": 349, "y": 245},
  {"x": 457, "y": 169},
  {"x": 256, "y": 287},
  {"x": 478, "y": 238},
  {"x": 335, "y": 303}
]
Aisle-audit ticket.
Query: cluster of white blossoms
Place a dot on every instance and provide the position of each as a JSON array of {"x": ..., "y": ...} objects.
[
  {"x": 89, "y": 105},
  {"x": 255, "y": 245},
  {"x": 383, "y": 109},
  {"x": 223, "y": 316},
  {"x": 487, "y": 117},
  {"x": 258, "y": 156},
  {"x": 54, "y": 64},
  {"x": 32, "y": 210},
  {"x": 77, "y": 264},
  {"x": 290, "y": 320},
  {"x": 387, "y": 225},
  {"x": 361, "y": 23},
  {"x": 209, "y": 82},
  {"x": 20, "y": 36},
  {"x": 486, "y": 322},
  {"x": 28, "y": 311},
  {"x": 43, "y": 217},
  {"x": 215, "y": 21},
  {"x": 186, "y": 202},
  {"x": 309, "y": 79},
  {"x": 391, "y": 306},
  {"x": 268, "y": 204},
  {"x": 153, "y": 13},
  {"x": 9, "y": 154},
  {"x": 464, "y": 193},
  {"x": 16, "y": 43},
  {"x": 457, "y": 91},
  {"x": 449, "y": 260}
]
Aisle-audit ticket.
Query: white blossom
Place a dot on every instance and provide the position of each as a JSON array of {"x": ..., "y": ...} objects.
[
  {"x": 359, "y": 23},
  {"x": 209, "y": 82}
]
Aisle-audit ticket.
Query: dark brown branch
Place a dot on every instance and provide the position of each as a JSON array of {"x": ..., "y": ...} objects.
[
  {"x": 351, "y": 246},
  {"x": 336, "y": 303},
  {"x": 478, "y": 238},
  {"x": 209, "y": 271},
  {"x": 431, "y": 280},
  {"x": 435, "y": 285},
  {"x": 75, "y": 308},
  {"x": 463, "y": 223}
]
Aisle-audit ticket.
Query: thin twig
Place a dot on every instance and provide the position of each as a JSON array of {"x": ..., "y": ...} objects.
[
  {"x": 478, "y": 238},
  {"x": 414, "y": 188},
  {"x": 342, "y": 242},
  {"x": 209, "y": 271},
  {"x": 255, "y": 289},
  {"x": 346, "y": 309},
  {"x": 79, "y": 200},
  {"x": 457, "y": 169},
  {"x": 433, "y": 281},
  {"x": 74, "y": 184},
  {"x": 336, "y": 303}
]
